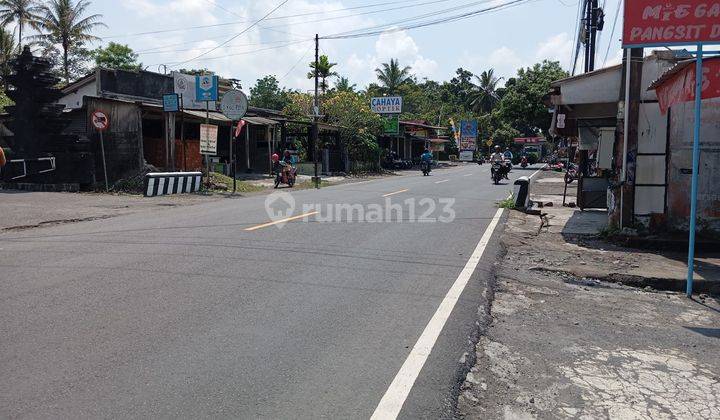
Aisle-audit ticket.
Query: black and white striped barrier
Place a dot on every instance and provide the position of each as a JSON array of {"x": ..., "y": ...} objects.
[{"x": 163, "y": 183}]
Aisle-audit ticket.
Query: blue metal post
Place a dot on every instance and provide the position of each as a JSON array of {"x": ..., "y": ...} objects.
[{"x": 695, "y": 169}]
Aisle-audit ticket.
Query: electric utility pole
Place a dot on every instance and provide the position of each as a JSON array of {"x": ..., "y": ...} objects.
[
  {"x": 316, "y": 111},
  {"x": 593, "y": 21}
]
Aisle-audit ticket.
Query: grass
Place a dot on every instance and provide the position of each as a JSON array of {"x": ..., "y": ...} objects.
[
  {"x": 310, "y": 184},
  {"x": 244, "y": 187},
  {"x": 608, "y": 232},
  {"x": 508, "y": 203}
]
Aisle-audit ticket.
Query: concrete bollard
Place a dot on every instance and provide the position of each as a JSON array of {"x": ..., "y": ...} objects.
[
  {"x": 521, "y": 193},
  {"x": 163, "y": 183}
]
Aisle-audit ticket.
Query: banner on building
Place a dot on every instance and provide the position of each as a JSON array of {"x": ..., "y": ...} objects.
[
  {"x": 662, "y": 22},
  {"x": 680, "y": 87},
  {"x": 528, "y": 140},
  {"x": 184, "y": 85}
]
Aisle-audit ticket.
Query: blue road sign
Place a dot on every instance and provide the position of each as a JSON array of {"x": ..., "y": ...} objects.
[
  {"x": 206, "y": 88},
  {"x": 171, "y": 102}
]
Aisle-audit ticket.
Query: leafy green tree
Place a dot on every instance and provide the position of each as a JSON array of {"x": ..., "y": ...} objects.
[
  {"x": 63, "y": 23},
  {"x": 521, "y": 106},
  {"x": 116, "y": 56},
  {"x": 324, "y": 72},
  {"x": 482, "y": 97},
  {"x": 195, "y": 72},
  {"x": 343, "y": 85},
  {"x": 24, "y": 12},
  {"x": 392, "y": 76},
  {"x": 7, "y": 52},
  {"x": 358, "y": 125},
  {"x": 267, "y": 93}
]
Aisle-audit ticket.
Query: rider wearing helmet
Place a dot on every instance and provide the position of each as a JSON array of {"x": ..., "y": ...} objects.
[{"x": 496, "y": 158}]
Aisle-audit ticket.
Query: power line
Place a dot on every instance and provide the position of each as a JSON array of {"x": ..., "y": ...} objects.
[
  {"x": 576, "y": 37},
  {"x": 235, "y": 36},
  {"x": 217, "y": 25},
  {"x": 612, "y": 33},
  {"x": 175, "y": 64},
  {"x": 297, "y": 62},
  {"x": 392, "y": 27}
]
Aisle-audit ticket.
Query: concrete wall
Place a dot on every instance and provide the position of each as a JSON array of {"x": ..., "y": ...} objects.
[
  {"x": 74, "y": 100},
  {"x": 650, "y": 182},
  {"x": 680, "y": 161},
  {"x": 601, "y": 87}
]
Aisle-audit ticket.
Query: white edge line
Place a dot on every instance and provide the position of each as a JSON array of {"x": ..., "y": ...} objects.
[{"x": 395, "y": 396}]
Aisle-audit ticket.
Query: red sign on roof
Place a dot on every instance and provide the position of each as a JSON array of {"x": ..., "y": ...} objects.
[
  {"x": 680, "y": 86},
  {"x": 671, "y": 22},
  {"x": 529, "y": 140}
]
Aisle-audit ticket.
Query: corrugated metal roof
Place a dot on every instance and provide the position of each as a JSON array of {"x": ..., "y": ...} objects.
[{"x": 260, "y": 120}]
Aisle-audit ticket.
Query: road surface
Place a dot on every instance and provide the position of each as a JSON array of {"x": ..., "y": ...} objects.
[{"x": 211, "y": 310}]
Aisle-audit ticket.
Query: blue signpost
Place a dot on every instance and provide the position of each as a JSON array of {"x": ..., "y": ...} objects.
[
  {"x": 206, "y": 88},
  {"x": 695, "y": 169}
]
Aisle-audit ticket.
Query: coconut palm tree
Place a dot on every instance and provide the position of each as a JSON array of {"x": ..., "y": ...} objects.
[
  {"x": 392, "y": 76},
  {"x": 7, "y": 51},
  {"x": 324, "y": 71},
  {"x": 24, "y": 12},
  {"x": 343, "y": 85},
  {"x": 482, "y": 96},
  {"x": 63, "y": 23}
]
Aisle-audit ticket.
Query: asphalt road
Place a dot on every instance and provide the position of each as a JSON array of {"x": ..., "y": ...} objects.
[{"x": 208, "y": 311}]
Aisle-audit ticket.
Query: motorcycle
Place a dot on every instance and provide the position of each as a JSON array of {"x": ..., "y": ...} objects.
[
  {"x": 426, "y": 168},
  {"x": 287, "y": 175},
  {"x": 524, "y": 162},
  {"x": 508, "y": 168},
  {"x": 497, "y": 172}
]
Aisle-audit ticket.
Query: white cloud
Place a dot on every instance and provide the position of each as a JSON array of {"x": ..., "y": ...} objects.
[
  {"x": 389, "y": 45},
  {"x": 556, "y": 48}
]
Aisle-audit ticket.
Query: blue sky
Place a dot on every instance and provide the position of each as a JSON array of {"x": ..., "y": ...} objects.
[{"x": 504, "y": 40}]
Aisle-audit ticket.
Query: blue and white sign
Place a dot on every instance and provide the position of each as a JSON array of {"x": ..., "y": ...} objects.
[
  {"x": 468, "y": 129},
  {"x": 386, "y": 105},
  {"x": 171, "y": 102},
  {"x": 206, "y": 88}
]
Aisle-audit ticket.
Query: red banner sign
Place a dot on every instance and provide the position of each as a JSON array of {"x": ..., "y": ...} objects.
[
  {"x": 529, "y": 140},
  {"x": 671, "y": 22},
  {"x": 681, "y": 86}
]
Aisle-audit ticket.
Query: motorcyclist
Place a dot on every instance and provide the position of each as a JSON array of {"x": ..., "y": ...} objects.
[
  {"x": 426, "y": 157},
  {"x": 508, "y": 154},
  {"x": 276, "y": 163},
  {"x": 496, "y": 158}
]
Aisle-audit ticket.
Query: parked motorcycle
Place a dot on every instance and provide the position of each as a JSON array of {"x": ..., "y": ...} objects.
[{"x": 287, "y": 175}]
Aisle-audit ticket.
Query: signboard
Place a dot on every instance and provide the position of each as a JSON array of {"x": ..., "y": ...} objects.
[
  {"x": 184, "y": 85},
  {"x": 234, "y": 105},
  {"x": 386, "y": 105},
  {"x": 680, "y": 87},
  {"x": 529, "y": 140},
  {"x": 466, "y": 156},
  {"x": 468, "y": 144},
  {"x": 469, "y": 129},
  {"x": 171, "y": 102},
  {"x": 208, "y": 139},
  {"x": 391, "y": 125},
  {"x": 663, "y": 22},
  {"x": 206, "y": 88},
  {"x": 489, "y": 142},
  {"x": 100, "y": 120},
  {"x": 560, "y": 123}
]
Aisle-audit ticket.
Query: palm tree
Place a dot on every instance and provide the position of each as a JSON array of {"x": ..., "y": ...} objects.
[
  {"x": 63, "y": 23},
  {"x": 343, "y": 85},
  {"x": 21, "y": 11},
  {"x": 324, "y": 71},
  {"x": 391, "y": 76},
  {"x": 482, "y": 97},
  {"x": 7, "y": 50}
]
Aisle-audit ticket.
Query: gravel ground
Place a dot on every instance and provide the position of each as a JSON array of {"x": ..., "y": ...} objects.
[{"x": 562, "y": 344}]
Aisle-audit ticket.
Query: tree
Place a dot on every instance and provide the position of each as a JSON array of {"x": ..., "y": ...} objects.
[
  {"x": 324, "y": 71},
  {"x": 482, "y": 97},
  {"x": 392, "y": 76},
  {"x": 23, "y": 12},
  {"x": 267, "y": 93},
  {"x": 7, "y": 50},
  {"x": 63, "y": 24},
  {"x": 116, "y": 57},
  {"x": 359, "y": 126},
  {"x": 343, "y": 85},
  {"x": 521, "y": 106}
]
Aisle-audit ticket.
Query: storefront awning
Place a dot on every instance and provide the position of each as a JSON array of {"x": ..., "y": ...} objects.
[{"x": 260, "y": 121}]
